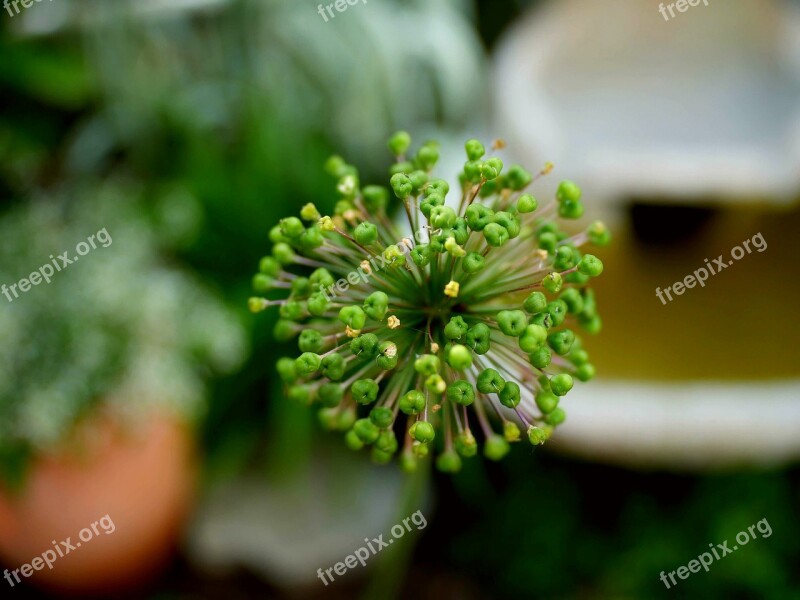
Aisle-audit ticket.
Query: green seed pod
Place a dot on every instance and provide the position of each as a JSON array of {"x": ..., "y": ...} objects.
[
  {"x": 479, "y": 338},
  {"x": 366, "y": 431},
  {"x": 509, "y": 222},
  {"x": 387, "y": 442},
  {"x": 490, "y": 382},
  {"x": 330, "y": 394},
  {"x": 443, "y": 217},
  {"x": 291, "y": 227},
  {"x": 456, "y": 328},
  {"x": 541, "y": 357},
  {"x": 512, "y": 322},
  {"x": 570, "y": 210},
  {"x": 418, "y": 180},
  {"x": 317, "y": 304},
  {"x": 546, "y": 400},
  {"x": 420, "y": 450},
  {"x": 465, "y": 444},
  {"x": 475, "y": 149},
  {"x": 435, "y": 384},
  {"x": 399, "y": 143},
  {"x": 422, "y": 431},
  {"x": 366, "y": 233},
  {"x": 440, "y": 186},
  {"x": 518, "y": 178},
  {"x": 573, "y": 299},
  {"x": 352, "y": 441},
  {"x": 461, "y": 231},
  {"x": 333, "y": 367},
  {"x": 301, "y": 287},
  {"x": 286, "y": 370},
  {"x": 364, "y": 391},
  {"x": 556, "y": 417},
  {"x": 283, "y": 253},
  {"x": 310, "y": 340},
  {"x": 567, "y": 190},
  {"x": 511, "y": 432},
  {"x": 345, "y": 419},
  {"x": 366, "y": 345},
  {"x": 376, "y": 305},
  {"x": 590, "y": 265},
  {"x": 284, "y": 330},
  {"x": 448, "y": 462},
  {"x": 421, "y": 255},
  {"x": 536, "y": 435},
  {"x": 401, "y": 185},
  {"x": 553, "y": 282},
  {"x": 292, "y": 310},
  {"x": 412, "y": 403},
  {"x": 495, "y": 447},
  {"x": 387, "y": 355},
  {"x": 496, "y": 235},
  {"x": 535, "y": 303},
  {"x": 598, "y": 233},
  {"x": 561, "y": 341},
  {"x": 353, "y": 316},
  {"x": 261, "y": 283},
  {"x": 461, "y": 392},
  {"x": 527, "y": 204},
  {"x": 427, "y": 364},
  {"x": 544, "y": 319},
  {"x": 375, "y": 197},
  {"x": 479, "y": 216},
  {"x": 533, "y": 337},
  {"x": 269, "y": 266},
  {"x": 394, "y": 256},
  {"x": 473, "y": 262},
  {"x": 561, "y": 384},
  {"x": 307, "y": 363},
  {"x": 459, "y": 357},
  {"x": 585, "y": 372},
  {"x": 381, "y": 416},
  {"x": 557, "y": 309},
  {"x": 510, "y": 394},
  {"x": 300, "y": 394},
  {"x": 427, "y": 156}
]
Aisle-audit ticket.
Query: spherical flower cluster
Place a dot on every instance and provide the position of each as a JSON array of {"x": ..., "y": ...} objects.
[{"x": 460, "y": 333}]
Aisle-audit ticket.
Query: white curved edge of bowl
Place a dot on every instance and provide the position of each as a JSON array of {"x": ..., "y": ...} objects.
[
  {"x": 736, "y": 173},
  {"x": 683, "y": 427}
]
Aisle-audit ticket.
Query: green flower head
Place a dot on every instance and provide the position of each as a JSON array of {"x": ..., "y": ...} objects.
[{"x": 458, "y": 336}]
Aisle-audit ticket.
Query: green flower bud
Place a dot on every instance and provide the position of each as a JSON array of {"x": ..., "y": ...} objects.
[
  {"x": 435, "y": 384},
  {"x": 364, "y": 391},
  {"x": 284, "y": 330},
  {"x": 345, "y": 419},
  {"x": 510, "y": 394},
  {"x": 376, "y": 305},
  {"x": 387, "y": 442},
  {"x": 420, "y": 450},
  {"x": 461, "y": 392},
  {"x": 433, "y": 200},
  {"x": 456, "y": 328},
  {"x": 330, "y": 394},
  {"x": 533, "y": 337},
  {"x": 535, "y": 303},
  {"x": 561, "y": 384},
  {"x": 300, "y": 394},
  {"x": 590, "y": 265},
  {"x": 518, "y": 178},
  {"x": 440, "y": 186},
  {"x": 490, "y": 382},
  {"x": 495, "y": 447},
  {"x": 511, "y": 432},
  {"x": 512, "y": 322},
  {"x": 578, "y": 356},
  {"x": 570, "y": 210},
  {"x": 261, "y": 283},
  {"x": 561, "y": 341},
  {"x": 408, "y": 462},
  {"x": 412, "y": 403},
  {"x": 552, "y": 282},
  {"x": 405, "y": 167},
  {"x": 465, "y": 444},
  {"x": 453, "y": 248},
  {"x": 422, "y": 431},
  {"x": 427, "y": 364},
  {"x": 401, "y": 185},
  {"x": 567, "y": 190},
  {"x": 544, "y": 319},
  {"x": 291, "y": 227},
  {"x": 269, "y": 266},
  {"x": 375, "y": 197},
  {"x": 546, "y": 400},
  {"x": 283, "y": 253},
  {"x": 381, "y": 416},
  {"x": 418, "y": 180},
  {"x": 366, "y": 233},
  {"x": 461, "y": 231},
  {"x": 479, "y": 216},
  {"x": 548, "y": 242},
  {"x": 394, "y": 256},
  {"x": 443, "y": 217},
  {"x": 473, "y": 262},
  {"x": 475, "y": 149},
  {"x": 598, "y": 233},
  {"x": 309, "y": 212},
  {"x": 286, "y": 370},
  {"x": 585, "y": 372},
  {"x": 366, "y": 431},
  {"x": 353, "y": 316},
  {"x": 333, "y": 367},
  {"x": 292, "y": 310},
  {"x": 387, "y": 355},
  {"x": 448, "y": 462},
  {"x": 352, "y": 440},
  {"x": 366, "y": 343},
  {"x": 310, "y": 340},
  {"x": 592, "y": 325},
  {"x": 301, "y": 287},
  {"x": 256, "y": 305},
  {"x": 307, "y": 363},
  {"x": 335, "y": 166},
  {"x": 479, "y": 338},
  {"x": 557, "y": 309},
  {"x": 536, "y": 435},
  {"x": 509, "y": 222},
  {"x": 329, "y": 418},
  {"x": 541, "y": 357},
  {"x": 496, "y": 235},
  {"x": 311, "y": 239},
  {"x": 275, "y": 235},
  {"x": 421, "y": 255},
  {"x": 459, "y": 357},
  {"x": 527, "y": 204},
  {"x": 556, "y": 417},
  {"x": 399, "y": 143},
  {"x": 427, "y": 156},
  {"x": 573, "y": 299},
  {"x": 317, "y": 304}
]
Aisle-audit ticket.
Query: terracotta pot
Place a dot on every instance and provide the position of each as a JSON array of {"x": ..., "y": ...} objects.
[{"x": 141, "y": 478}]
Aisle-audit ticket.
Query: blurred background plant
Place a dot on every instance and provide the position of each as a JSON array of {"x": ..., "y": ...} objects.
[{"x": 199, "y": 123}]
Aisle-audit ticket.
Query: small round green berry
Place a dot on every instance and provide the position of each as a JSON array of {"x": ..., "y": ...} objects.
[
  {"x": 261, "y": 283},
  {"x": 269, "y": 266},
  {"x": 420, "y": 450},
  {"x": 465, "y": 444},
  {"x": 495, "y": 447},
  {"x": 561, "y": 341},
  {"x": 517, "y": 178},
  {"x": 510, "y": 394},
  {"x": 535, "y": 303},
  {"x": 568, "y": 190},
  {"x": 546, "y": 400},
  {"x": 511, "y": 432},
  {"x": 301, "y": 287},
  {"x": 375, "y": 197},
  {"x": 573, "y": 299},
  {"x": 459, "y": 357},
  {"x": 585, "y": 372},
  {"x": 283, "y": 253},
  {"x": 353, "y": 316},
  {"x": 399, "y": 143},
  {"x": 275, "y": 235},
  {"x": 366, "y": 431},
  {"x": 333, "y": 367},
  {"x": 461, "y": 392},
  {"x": 553, "y": 282},
  {"x": 590, "y": 265},
  {"x": 292, "y": 310},
  {"x": 512, "y": 322},
  {"x": 310, "y": 340},
  {"x": 473, "y": 262},
  {"x": 401, "y": 185},
  {"x": 286, "y": 370},
  {"x": 421, "y": 255},
  {"x": 443, "y": 217},
  {"x": 352, "y": 440},
  {"x": 557, "y": 309},
  {"x": 387, "y": 356},
  {"x": 408, "y": 462},
  {"x": 456, "y": 328},
  {"x": 479, "y": 338},
  {"x": 330, "y": 394},
  {"x": 256, "y": 305},
  {"x": 284, "y": 330},
  {"x": 412, "y": 403},
  {"x": 490, "y": 382},
  {"x": 527, "y": 204},
  {"x": 422, "y": 431},
  {"x": 570, "y": 210},
  {"x": 556, "y": 417},
  {"x": 496, "y": 235},
  {"x": 592, "y": 324},
  {"x": 541, "y": 357},
  {"x": 536, "y": 435},
  {"x": 532, "y": 338},
  {"x": 427, "y": 364},
  {"x": 578, "y": 356},
  {"x": 292, "y": 227},
  {"x": 366, "y": 233},
  {"x": 317, "y": 304},
  {"x": 376, "y": 305},
  {"x": 418, "y": 180},
  {"x": 381, "y": 416},
  {"x": 598, "y": 233},
  {"x": 344, "y": 419},
  {"x": 435, "y": 384},
  {"x": 475, "y": 149},
  {"x": 427, "y": 156},
  {"x": 448, "y": 462},
  {"x": 479, "y": 216},
  {"x": 307, "y": 363},
  {"x": 364, "y": 391},
  {"x": 544, "y": 319},
  {"x": 509, "y": 222},
  {"x": 387, "y": 442},
  {"x": 366, "y": 344}
]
